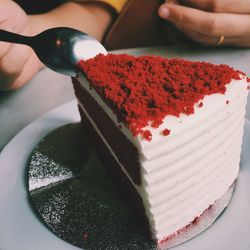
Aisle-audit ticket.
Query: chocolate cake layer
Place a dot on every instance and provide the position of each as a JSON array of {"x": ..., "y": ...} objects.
[
  {"x": 123, "y": 148},
  {"x": 119, "y": 178}
]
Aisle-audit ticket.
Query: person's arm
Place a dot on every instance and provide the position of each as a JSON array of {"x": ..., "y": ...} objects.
[
  {"x": 18, "y": 63},
  {"x": 211, "y": 22},
  {"x": 92, "y": 18}
]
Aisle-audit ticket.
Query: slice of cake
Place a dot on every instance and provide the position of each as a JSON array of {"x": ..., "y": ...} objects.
[{"x": 169, "y": 130}]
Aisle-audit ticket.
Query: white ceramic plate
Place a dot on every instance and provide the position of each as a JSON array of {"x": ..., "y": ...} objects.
[{"x": 20, "y": 229}]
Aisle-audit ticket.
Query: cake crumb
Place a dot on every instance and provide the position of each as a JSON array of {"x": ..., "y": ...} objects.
[
  {"x": 200, "y": 104},
  {"x": 227, "y": 101},
  {"x": 146, "y": 134},
  {"x": 165, "y": 132},
  {"x": 85, "y": 236}
]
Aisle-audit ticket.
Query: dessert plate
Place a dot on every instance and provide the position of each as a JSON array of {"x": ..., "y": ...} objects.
[{"x": 20, "y": 227}]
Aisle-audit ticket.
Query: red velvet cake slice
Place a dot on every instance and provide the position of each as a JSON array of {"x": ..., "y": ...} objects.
[{"x": 168, "y": 130}]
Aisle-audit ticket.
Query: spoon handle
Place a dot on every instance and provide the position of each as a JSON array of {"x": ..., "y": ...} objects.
[{"x": 7, "y": 36}]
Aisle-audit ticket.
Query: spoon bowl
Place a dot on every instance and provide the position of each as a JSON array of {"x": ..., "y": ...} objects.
[{"x": 60, "y": 49}]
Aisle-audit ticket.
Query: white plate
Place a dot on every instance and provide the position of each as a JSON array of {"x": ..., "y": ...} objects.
[{"x": 20, "y": 229}]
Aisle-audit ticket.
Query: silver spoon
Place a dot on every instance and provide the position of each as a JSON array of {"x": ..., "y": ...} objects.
[{"x": 60, "y": 49}]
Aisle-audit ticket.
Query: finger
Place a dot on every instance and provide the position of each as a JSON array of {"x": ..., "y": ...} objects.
[
  {"x": 32, "y": 66},
  {"x": 206, "y": 40},
  {"x": 15, "y": 79},
  {"x": 4, "y": 48},
  {"x": 11, "y": 10},
  {"x": 219, "y": 6},
  {"x": 199, "y": 37},
  {"x": 9, "y": 65},
  {"x": 213, "y": 24}
]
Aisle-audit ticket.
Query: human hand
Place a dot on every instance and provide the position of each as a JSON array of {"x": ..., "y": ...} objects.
[
  {"x": 18, "y": 63},
  {"x": 206, "y": 21}
]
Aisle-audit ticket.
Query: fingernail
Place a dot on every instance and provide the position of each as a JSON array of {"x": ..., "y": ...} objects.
[{"x": 164, "y": 12}]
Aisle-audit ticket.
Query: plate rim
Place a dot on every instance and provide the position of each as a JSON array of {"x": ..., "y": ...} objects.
[{"x": 63, "y": 119}]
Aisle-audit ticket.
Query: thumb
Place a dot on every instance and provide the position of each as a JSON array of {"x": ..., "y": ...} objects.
[{"x": 164, "y": 11}]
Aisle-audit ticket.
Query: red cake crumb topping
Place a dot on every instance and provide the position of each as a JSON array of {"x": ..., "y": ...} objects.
[
  {"x": 166, "y": 132},
  {"x": 227, "y": 101},
  {"x": 143, "y": 90},
  {"x": 200, "y": 104},
  {"x": 85, "y": 236}
]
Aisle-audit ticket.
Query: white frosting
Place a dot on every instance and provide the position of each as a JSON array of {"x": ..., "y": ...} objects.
[
  {"x": 88, "y": 48},
  {"x": 186, "y": 172}
]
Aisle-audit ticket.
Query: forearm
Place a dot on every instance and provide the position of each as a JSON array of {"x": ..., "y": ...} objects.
[{"x": 93, "y": 19}]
